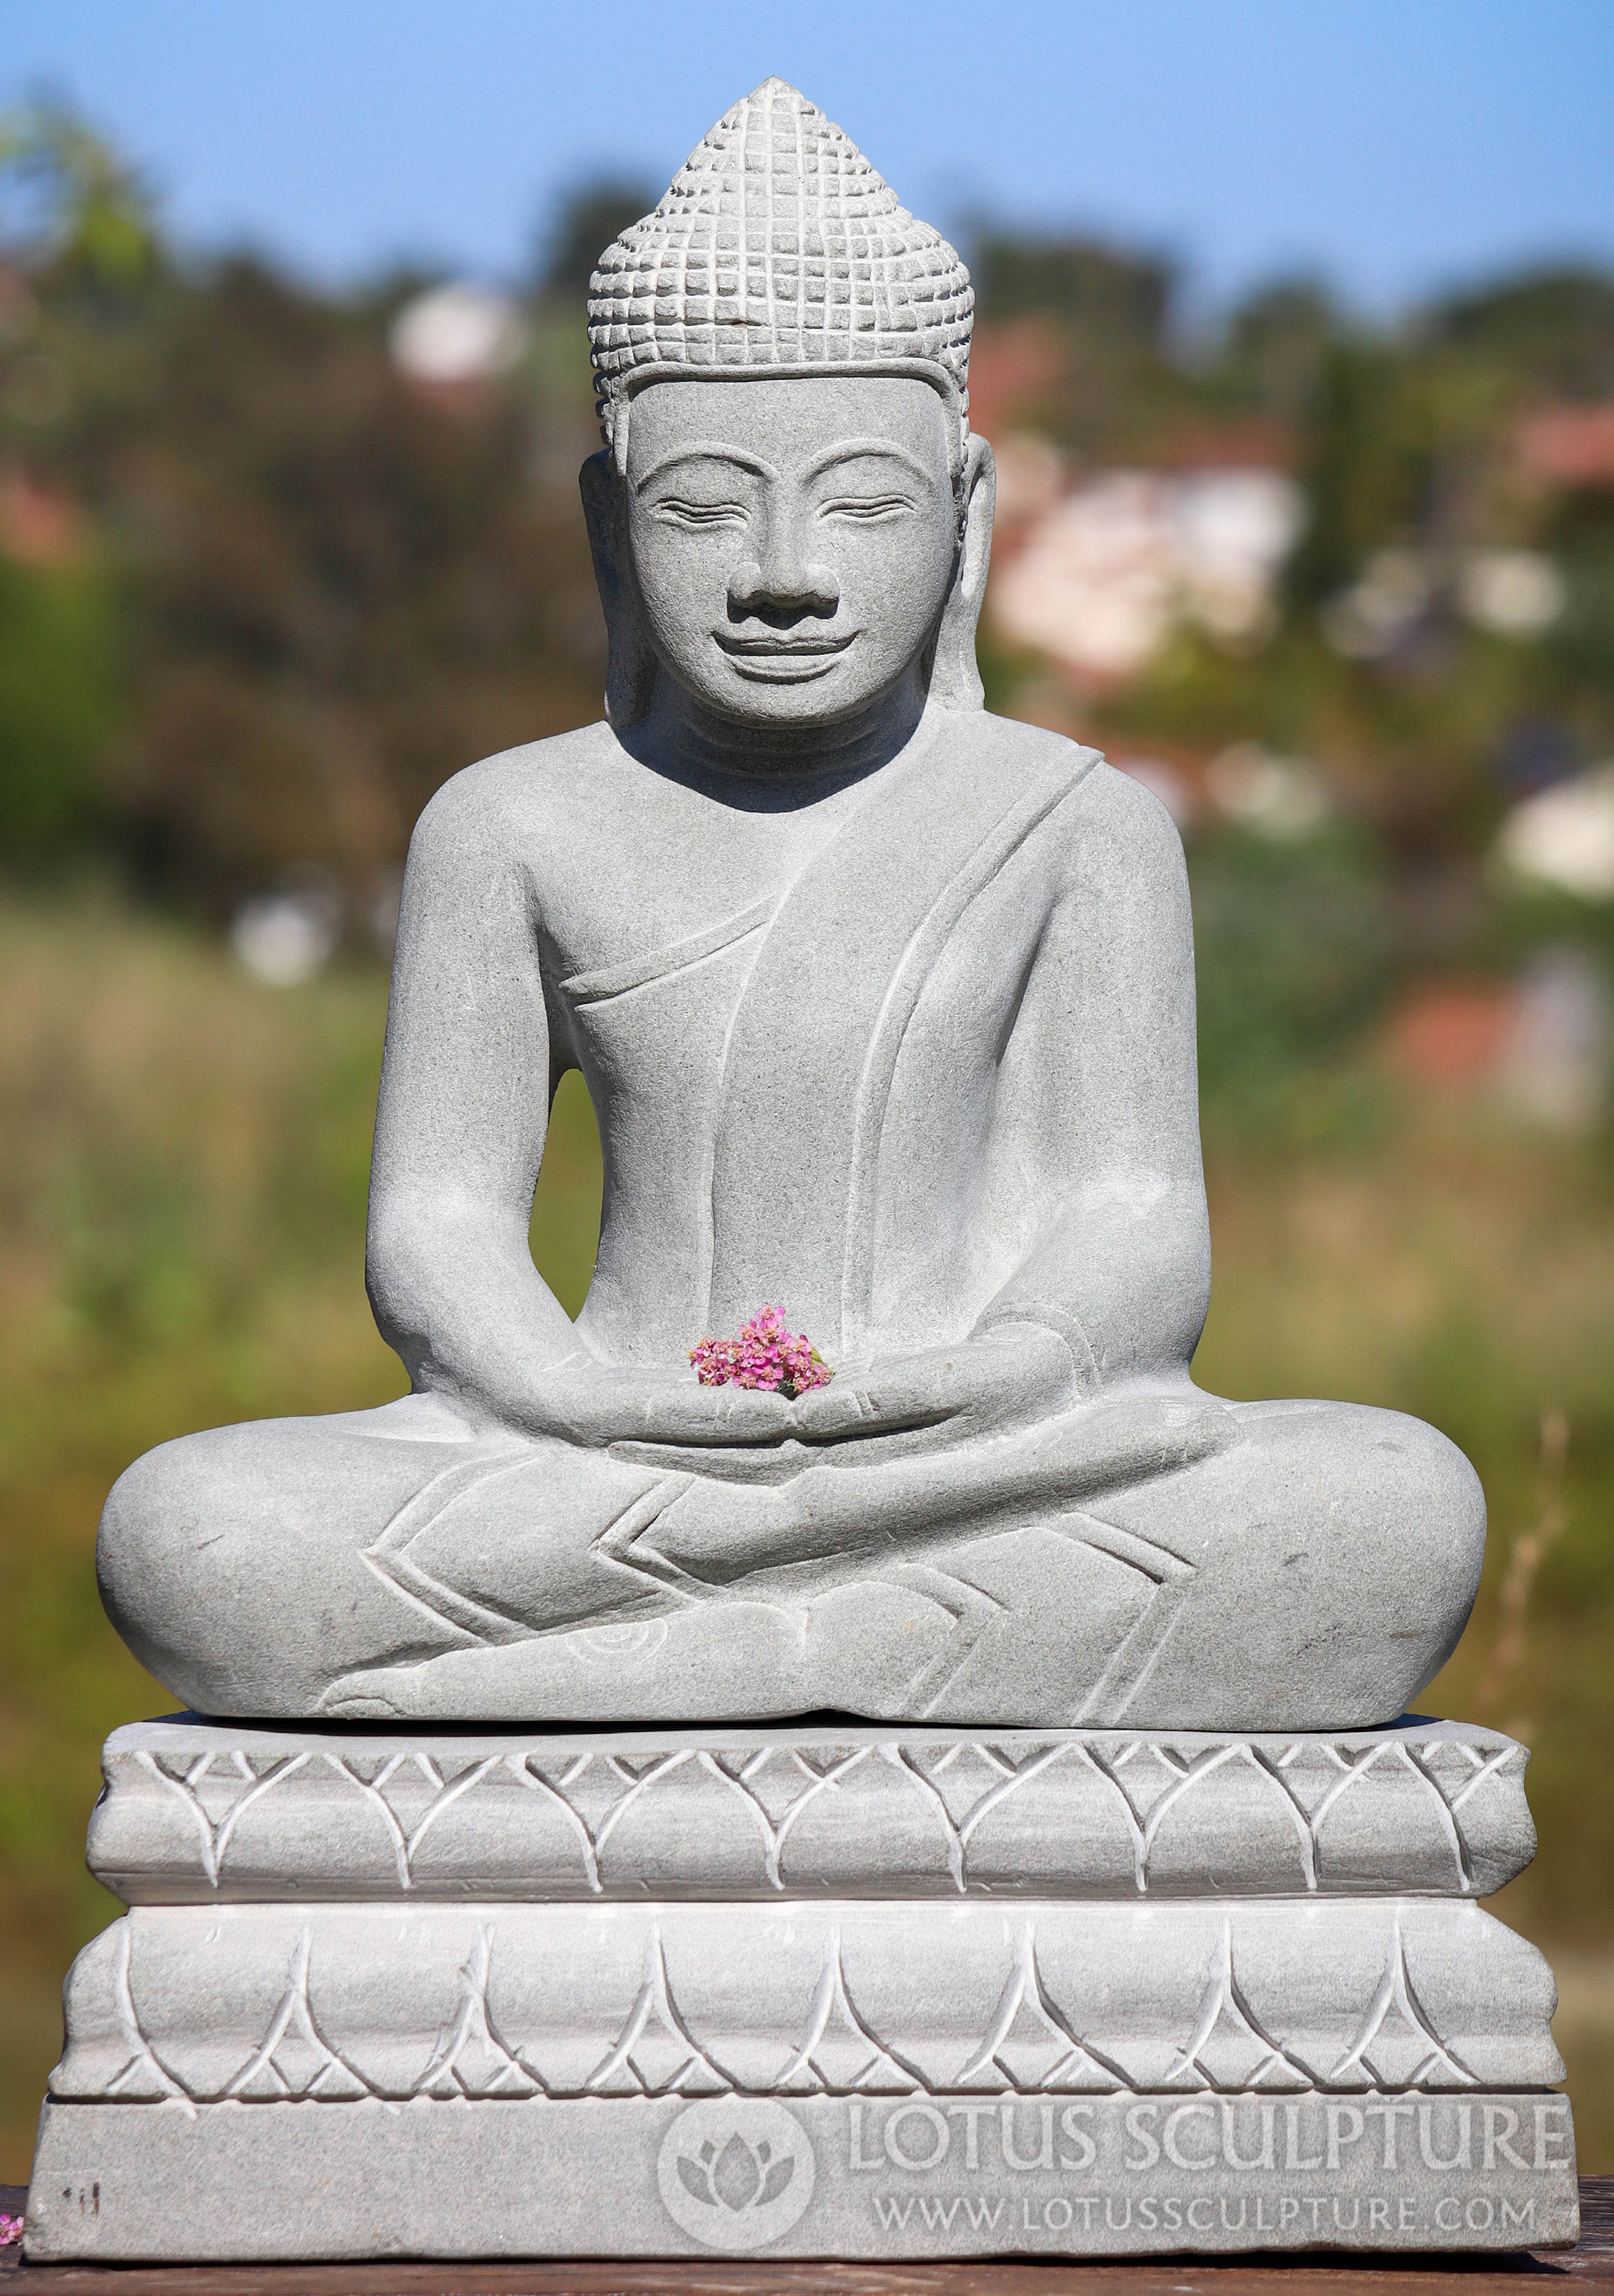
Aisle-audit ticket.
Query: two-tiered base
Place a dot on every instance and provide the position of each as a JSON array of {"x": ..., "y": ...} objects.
[{"x": 827, "y": 1990}]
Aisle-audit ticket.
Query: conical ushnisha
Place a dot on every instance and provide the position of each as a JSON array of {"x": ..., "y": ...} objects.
[{"x": 776, "y": 245}]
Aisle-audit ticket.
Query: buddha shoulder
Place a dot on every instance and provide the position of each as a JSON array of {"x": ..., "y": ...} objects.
[
  {"x": 500, "y": 807},
  {"x": 1107, "y": 823}
]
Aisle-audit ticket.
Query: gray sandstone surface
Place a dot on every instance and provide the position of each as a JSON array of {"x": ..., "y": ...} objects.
[
  {"x": 330, "y": 2003},
  {"x": 1196, "y": 1992},
  {"x": 881, "y": 2179},
  {"x": 886, "y": 1008},
  {"x": 198, "y": 1813}
]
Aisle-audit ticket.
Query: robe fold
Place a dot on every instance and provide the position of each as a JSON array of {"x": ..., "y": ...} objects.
[{"x": 846, "y": 957}]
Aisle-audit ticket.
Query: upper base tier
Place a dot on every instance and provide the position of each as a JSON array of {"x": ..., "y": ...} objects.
[{"x": 200, "y": 1813}]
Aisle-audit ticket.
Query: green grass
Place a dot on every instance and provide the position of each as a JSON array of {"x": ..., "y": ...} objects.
[{"x": 182, "y": 1194}]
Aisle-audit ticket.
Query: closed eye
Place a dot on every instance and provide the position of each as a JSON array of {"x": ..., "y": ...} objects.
[
  {"x": 694, "y": 515},
  {"x": 866, "y": 509}
]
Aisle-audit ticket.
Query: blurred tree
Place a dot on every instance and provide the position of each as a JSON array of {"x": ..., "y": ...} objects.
[
  {"x": 588, "y": 221},
  {"x": 1106, "y": 291},
  {"x": 1296, "y": 945},
  {"x": 1115, "y": 391},
  {"x": 345, "y": 594},
  {"x": 1277, "y": 342},
  {"x": 68, "y": 200},
  {"x": 1553, "y": 329},
  {"x": 75, "y": 224},
  {"x": 1362, "y": 483},
  {"x": 58, "y": 705},
  {"x": 332, "y": 593},
  {"x": 1579, "y": 648}
]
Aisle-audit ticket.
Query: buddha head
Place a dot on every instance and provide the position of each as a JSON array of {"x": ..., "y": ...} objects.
[{"x": 790, "y": 518}]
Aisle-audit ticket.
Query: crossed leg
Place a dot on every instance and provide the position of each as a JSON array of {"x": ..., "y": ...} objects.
[{"x": 1292, "y": 1565}]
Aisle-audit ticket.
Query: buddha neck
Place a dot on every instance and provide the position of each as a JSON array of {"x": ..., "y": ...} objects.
[{"x": 681, "y": 737}]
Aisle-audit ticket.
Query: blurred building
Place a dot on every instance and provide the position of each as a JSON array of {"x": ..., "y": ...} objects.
[
  {"x": 1102, "y": 575},
  {"x": 1569, "y": 445}
]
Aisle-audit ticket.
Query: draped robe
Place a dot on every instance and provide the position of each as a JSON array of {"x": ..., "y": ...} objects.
[
  {"x": 816, "y": 999},
  {"x": 834, "y": 1060}
]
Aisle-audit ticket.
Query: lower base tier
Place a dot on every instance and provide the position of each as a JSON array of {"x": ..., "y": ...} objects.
[
  {"x": 877, "y": 2178},
  {"x": 855, "y": 2078}
]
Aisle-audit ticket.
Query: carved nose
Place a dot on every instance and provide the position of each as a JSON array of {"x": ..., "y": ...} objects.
[{"x": 805, "y": 588}]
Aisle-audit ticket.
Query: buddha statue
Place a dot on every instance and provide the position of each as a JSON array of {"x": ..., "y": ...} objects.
[{"x": 886, "y": 1008}]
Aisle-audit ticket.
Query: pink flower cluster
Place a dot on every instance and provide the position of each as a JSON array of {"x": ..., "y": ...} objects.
[
  {"x": 767, "y": 1355},
  {"x": 10, "y": 2230}
]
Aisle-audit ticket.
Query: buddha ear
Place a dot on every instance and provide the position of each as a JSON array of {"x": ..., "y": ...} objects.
[
  {"x": 630, "y": 665},
  {"x": 955, "y": 680}
]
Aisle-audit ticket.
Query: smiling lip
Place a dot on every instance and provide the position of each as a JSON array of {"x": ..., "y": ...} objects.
[
  {"x": 784, "y": 660},
  {"x": 773, "y": 647}
]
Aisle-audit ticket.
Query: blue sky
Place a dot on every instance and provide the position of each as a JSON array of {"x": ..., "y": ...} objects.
[{"x": 1397, "y": 146}]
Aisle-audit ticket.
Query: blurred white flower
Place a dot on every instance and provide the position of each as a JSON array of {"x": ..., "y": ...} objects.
[
  {"x": 458, "y": 333},
  {"x": 1516, "y": 593},
  {"x": 1373, "y": 617},
  {"x": 1565, "y": 837},
  {"x": 286, "y": 938},
  {"x": 1282, "y": 798}
]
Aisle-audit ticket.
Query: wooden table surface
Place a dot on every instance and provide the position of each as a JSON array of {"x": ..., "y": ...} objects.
[{"x": 1155, "y": 2276}]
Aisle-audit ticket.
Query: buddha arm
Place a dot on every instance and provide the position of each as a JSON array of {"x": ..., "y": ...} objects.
[
  {"x": 1099, "y": 1108},
  {"x": 466, "y": 1084}
]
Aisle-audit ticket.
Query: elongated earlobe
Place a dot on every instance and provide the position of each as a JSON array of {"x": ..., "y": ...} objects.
[
  {"x": 630, "y": 665},
  {"x": 955, "y": 681}
]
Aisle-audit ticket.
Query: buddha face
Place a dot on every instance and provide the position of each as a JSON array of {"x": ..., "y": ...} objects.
[{"x": 793, "y": 540}]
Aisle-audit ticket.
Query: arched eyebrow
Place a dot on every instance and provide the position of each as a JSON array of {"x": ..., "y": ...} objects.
[
  {"x": 844, "y": 449},
  {"x": 707, "y": 450}
]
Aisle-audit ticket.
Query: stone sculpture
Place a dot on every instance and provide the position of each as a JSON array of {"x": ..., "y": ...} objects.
[
  {"x": 886, "y": 1007},
  {"x": 1167, "y": 1938}
]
